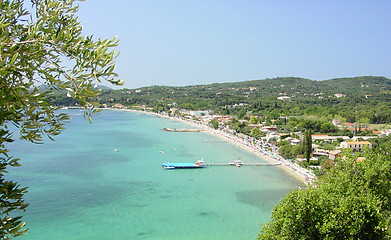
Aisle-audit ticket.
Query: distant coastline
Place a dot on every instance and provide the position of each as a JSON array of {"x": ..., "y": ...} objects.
[{"x": 293, "y": 169}]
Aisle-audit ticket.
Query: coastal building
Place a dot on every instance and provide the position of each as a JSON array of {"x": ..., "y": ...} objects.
[
  {"x": 255, "y": 125},
  {"x": 273, "y": 135},
  {"x": 224, "y": 119},
  {"x": 236, "y": 105},
  {"x": 384, "y": 132},
  {"x": 334, "y": 154},
  {"x": 200, "y": 113},
  {"x": 173, "y": 104},
  {"x": 319, "y": 138},
  {"x": 287, "y": 117},
  {"x": 379, "y": 133},
  {"x": 292, "y": 141},
  {"x": 336, "y": 122},
  {"x": 356, "y": 138},
  {"x": 327, "y": 138},
  {"x": 270, "y": 129},
  {"x": 284, "y": 98},
  {"x": 119, "y": 105},
  {"x": 320, "y": 152},
  {"x": 356, "y": 145},
  {"x": 339, "y": 95},
  {"x": 348, "y": 124}
]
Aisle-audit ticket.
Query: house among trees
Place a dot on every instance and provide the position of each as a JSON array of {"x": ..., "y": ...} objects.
[
  {"x": 292, "y": 141},
  {"x": 327, "y": 138},
  {"x": 334, "y": 154},
  {"x": 284, "y": 98},
  {"x": 339, "y": 95},
  {"x": 356, "y": 145},
  {"x": 269, "y": 129}
]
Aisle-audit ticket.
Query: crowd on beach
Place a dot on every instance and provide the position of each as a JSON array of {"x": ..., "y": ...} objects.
[{"x": 268, "y": 151}]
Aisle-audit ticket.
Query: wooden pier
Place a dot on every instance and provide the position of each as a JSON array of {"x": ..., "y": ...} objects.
[
  {"x": 201, "y": 164},
  {"x": 182, "y": 130},
  {"x": 239, "y": 164}
]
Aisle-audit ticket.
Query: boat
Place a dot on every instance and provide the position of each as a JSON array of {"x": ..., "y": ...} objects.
[
  {"x": 168, "y": 167},
  {"x": 198, "y": 164},
  {"x": 237, "y": 163}
]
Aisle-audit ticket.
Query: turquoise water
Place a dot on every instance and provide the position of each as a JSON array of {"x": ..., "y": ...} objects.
[{"x": 80, "y": 188}]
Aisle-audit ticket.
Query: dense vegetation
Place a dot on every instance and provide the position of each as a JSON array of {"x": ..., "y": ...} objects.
[
  {"x": 362, "y": 99},
  {"x": 34, "y": 47},
  {"x": 351, "y": 201}
]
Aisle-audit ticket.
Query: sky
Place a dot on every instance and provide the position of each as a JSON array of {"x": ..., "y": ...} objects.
[{"x": 194, "y": 42}]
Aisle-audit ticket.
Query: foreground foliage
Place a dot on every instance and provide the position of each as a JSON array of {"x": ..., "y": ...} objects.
[
  {"x": 352, "y": 201},
  {"x": 36, "y": 48}
]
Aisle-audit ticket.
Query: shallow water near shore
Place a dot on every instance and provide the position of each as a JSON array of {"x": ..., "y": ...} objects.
[{"x": 80, "y": 188}]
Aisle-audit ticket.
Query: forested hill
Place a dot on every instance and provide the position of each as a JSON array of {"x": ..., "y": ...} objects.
[
  {"x": 366, "y": 97},
  {"x": 300, "y": 86},
  {"x": 248, "y": 91},
  {"x": 290, "y": 86}
]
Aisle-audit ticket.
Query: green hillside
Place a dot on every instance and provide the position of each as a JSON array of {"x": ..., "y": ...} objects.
[{"x": 365, "y": 98}]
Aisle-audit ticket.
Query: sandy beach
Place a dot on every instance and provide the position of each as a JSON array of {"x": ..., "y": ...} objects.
[{"x": 295, "y": 170}]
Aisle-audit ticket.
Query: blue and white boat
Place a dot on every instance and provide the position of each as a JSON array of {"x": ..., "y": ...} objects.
[{"x": 198, "y": 164}]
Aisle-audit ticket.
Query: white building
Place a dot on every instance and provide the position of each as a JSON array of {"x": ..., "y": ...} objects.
[
  {"x": 356, "y": 145},
  {"x": 284, "y": 98}
]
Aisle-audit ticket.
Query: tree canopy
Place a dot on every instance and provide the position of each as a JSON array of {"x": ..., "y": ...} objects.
[
  {"x": 352, "y": 201},
  {"x": 44, "y": 46}
]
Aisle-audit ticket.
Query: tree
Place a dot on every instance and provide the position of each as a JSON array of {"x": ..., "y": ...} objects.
[
  {"x": 188, "y": 106},
  {"x": 307, "y": 145},
  {"x": 352, "y": 201},
  {"x": 240, "y": 126},
  {"x": 253, "y": 120},
  {"x": 241, "y": 114},
  {"x": 274, "y": 114},
  {"x": 214, "y": 123},
  {"x": 285, "y": 149},
  {"x": 327, "y": 127},
  {"x": 296, "y": 150},
  {"x": 42, "y": 47},
  {"x": 257, "y": 133}
]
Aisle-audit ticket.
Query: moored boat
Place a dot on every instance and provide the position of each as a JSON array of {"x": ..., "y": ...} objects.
[{"x": 198, "y": 164}]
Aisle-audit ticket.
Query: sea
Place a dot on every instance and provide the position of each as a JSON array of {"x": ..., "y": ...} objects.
[{"x": 105, "y": 180}]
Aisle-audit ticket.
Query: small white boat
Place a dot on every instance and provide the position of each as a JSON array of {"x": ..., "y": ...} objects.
[{"x": 116, "y": 150}]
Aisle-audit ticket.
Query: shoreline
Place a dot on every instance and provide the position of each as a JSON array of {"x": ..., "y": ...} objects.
[{"x": 301, "y": 174}]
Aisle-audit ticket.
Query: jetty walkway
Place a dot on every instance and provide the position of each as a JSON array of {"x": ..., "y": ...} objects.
[
  {"x": 182, "y": 130},
  {"x": 241, "y": 164},
  {"x": 201, "y": 164}
]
